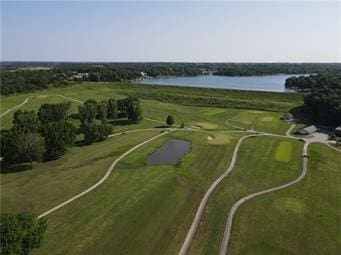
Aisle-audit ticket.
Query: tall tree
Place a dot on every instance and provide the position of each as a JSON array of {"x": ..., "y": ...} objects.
[
  {"x": 134, "y": 112},
  {"x": 25, "y": 122},
  {"x": 102, "y": 111},
  {"x": 54, "y": 112},
  {"x": 30, "y": 147},
  {"x": 112, "y": 109},
  {"x": 170, "y": 120},
  {"x": 58, "y": 137}
]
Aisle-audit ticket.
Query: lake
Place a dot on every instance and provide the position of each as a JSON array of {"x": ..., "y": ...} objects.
[
  {"x": 259, "y": 83},
  {"x": 169, "y": 153}
]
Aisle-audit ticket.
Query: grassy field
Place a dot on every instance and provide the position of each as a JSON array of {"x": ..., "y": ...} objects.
[
  {"x": 143, "y": 209},
  {"x": 303, "y": 219},
  {"x": 208, "y": 118},
  {"x": 53, "y": 182},
  {"x": 140, "y": 208},
  {"x": 256, "y": 169}
]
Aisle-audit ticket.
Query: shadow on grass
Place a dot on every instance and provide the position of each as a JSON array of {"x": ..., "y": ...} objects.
[{"x": 7, "y": 169}]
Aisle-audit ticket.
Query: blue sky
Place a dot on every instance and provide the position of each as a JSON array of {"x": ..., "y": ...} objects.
[{"x": 171, "y": 31}]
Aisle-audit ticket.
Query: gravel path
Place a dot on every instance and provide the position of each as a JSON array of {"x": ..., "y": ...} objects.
[{"x": 107, "y": 174}]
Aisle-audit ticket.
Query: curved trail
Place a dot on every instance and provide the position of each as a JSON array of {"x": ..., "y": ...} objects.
[
  {"x": 288, "y": 132},
  {"x": 15, "y": 107},
  {"x": 197, "y": 218},
  {"x": 227, "y": 232},
  {"x": 190, "y": 234},
  {"x": 107, "y": 174}
]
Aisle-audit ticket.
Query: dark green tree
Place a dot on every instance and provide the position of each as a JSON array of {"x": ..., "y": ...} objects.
[
  {"x": 58, "y": 137},
  {"x": 134, "y": 112},
  {"x": 25, "y": 122},
  {"x": 170, "y": 120},
  {"x": 21, "y": 233},
  {"x": 54, "y": 112},
  {"x": 30, "y": 147},
  {"x": 9, "y": 152},
  {"x": 102, "y": 111},
  {"x": 112, "y": 109}
]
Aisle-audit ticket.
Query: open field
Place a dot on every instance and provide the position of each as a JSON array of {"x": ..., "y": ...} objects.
[{"x": 256, "y": 169}]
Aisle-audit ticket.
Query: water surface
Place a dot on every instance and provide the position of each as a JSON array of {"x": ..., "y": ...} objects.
[
  {"x": 169, "y": 153},
  {"x": 259, "y": 83}
]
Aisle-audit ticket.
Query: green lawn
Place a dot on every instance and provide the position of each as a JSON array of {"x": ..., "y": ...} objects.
[
  {"x": 140, "y": 209},
  {"x": 256, "y": 169},
  {"x": 303, "y": 219}
]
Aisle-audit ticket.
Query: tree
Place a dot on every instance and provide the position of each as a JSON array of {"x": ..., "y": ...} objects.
[
  {"x": 112, "y": 109},
  {"x": 87, "y": 112},
  {"x": 170, "y": 120},
  {"x": 54, "y": 112},
  {"x": 94, "y": 133},
  {"x": 134, "y": 112},
  {"x": 30, "y": 147},
  {"x": 21, "y": 233},
  {"x": 58, "y": 137},
  {"x": 102, "y": 111},
  {"x": 25, "y": 122},
  {"x": 9, "y": 153}
]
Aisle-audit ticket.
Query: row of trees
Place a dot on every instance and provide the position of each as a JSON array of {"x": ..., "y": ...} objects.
[
  {"x": 322, "y": 103},
  {"x": 48, "y": 134}
]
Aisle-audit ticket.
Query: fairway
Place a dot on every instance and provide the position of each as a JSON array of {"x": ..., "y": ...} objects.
[
  {"x": 253, "y": 172},
  {"x": 303, "y": 219},
  {"x": 283, "y": 152}
]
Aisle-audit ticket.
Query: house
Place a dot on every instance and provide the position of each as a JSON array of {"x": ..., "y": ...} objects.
[
  {"x": 287, "y": 117},
  {"x": 307, "y": 130},
  {"x": 338, "y": 131}
]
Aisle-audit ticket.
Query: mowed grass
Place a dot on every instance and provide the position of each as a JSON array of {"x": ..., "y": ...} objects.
[
  {"x": 303, "y": 219},
  {"x": 53, "y": 182},
  {"x": 207, "y": 118},
  {"x": 283, "y": 152},
  {"x": 256, "y": 169},
  {"x": 140, "y": 209}
]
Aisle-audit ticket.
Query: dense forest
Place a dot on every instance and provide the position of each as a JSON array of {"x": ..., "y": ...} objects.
[
  {"x": 322, "y": 104},
  {"x": 25, "y": 76}
]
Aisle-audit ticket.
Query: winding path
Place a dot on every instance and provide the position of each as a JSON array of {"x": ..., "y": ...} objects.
[
  {"x": 107, "y": 174},
  {"x": 198, "y": 215},
  {"x": 228, "y": 227},
  {"x": 15, "y": 107}
]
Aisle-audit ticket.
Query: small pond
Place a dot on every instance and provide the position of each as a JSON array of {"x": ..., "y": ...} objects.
[{"x": 169, "y": 153}]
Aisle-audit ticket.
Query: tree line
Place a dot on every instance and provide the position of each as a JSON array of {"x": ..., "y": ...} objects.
[
  {"x": 322, "y": 103},
  {"x": 47, "y": 134},
  {"x": 16, "y": 80}
]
